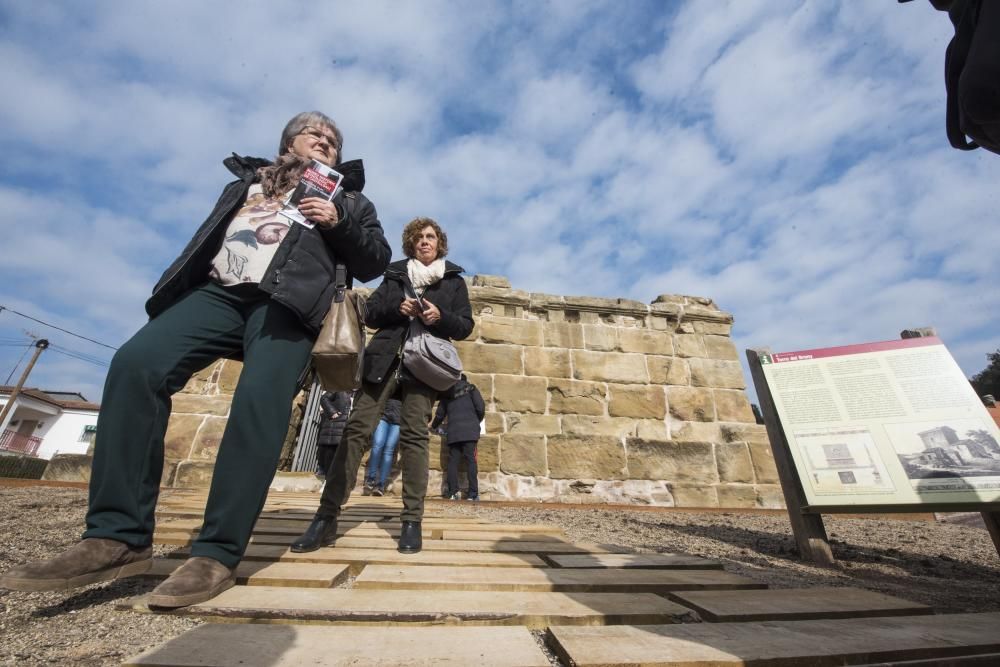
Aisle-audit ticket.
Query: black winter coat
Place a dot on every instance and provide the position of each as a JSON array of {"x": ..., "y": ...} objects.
[
  {"x": 392, "y": 412},
  {"x": 449, "y": 294},
  {"x": 301, "y": 274},
  {"x": 334, "y": 409},
  {"x": 464, "y": 407}
]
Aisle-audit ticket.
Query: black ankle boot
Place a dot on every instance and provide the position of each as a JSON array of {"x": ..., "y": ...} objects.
[
  {"x": 320, "y": 533},
  {"x": 410, "y": 541}
]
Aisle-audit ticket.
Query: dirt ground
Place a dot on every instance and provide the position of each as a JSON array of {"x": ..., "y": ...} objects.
[{"x": 951, "y": 566}]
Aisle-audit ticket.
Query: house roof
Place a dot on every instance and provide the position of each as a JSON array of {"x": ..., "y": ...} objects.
[{"x": 66, "y": 400}]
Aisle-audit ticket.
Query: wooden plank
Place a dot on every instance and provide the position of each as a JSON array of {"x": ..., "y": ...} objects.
[
  {"x": 263, "y": 573},
  {"x": 808, "y": 529},
  {"x": 386, "y": 542},
  {"x": 796, "y": 604},
  {"x": 358, "y": 558},
  {"x": 547, "y": 579},
  {"x": 651, "y": 561},
  {"x": 490, "y": 534},
  {"x": 821, "y": 643},
  {"x": 535, "y": 610},
  {"x": 227, "y": 645}
]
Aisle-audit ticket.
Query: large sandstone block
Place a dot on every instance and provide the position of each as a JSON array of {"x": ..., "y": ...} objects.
[
  {"x": 668, "y": 370},
  {"x": 523, "y": 455},
  {"x": 607, "y": 367},
  {"x": 699, "y": 431},
  {"x": 637, "y": 400},
  {"x": 511, "y": 331},
  {"x": 515, "y": 393},
  {"x": 566, "y": 335},
  {"x": 532, "y": 423},
  {"x": 494, "y": 422},
  {"x": 488, "y": 453},
  {"x": 691, "y": 404},
  {"x": 646, "y": 341},
  {"x": 763, "y": 463},
  {"x": 583, "y": 425},
  {"x": 206, "y": 443},
  {"x": 181, "y": 431},
  {"x": 721, "y": 347},
  {"x": 593, "y": 457},
  {"x": 600, "y": 337},
  {"x": 750, "y": 433},
  {"x": 484, "y": 383},
  {"x": 687, "y": 495},
  {"x": 716, "y": 373},
  {"x": 230, "y": 376},
  {"x": 547, "y": 362},
  {"x": 714, "y": 328},
  {"x": 671, "y": 461},
  {"x": 201, "y": 405},
  {"x": 652, "y": 429},
  {"x": 736, "y": 496},
  {"x": 731, "y": 405},
  {"x": 574, "y": 397},
  {"x": 193, "y": 475},
  {"x": 769, "y": 496},
  {"x": 690, "y": 345},
  {"x": 734, "y": 463},
  {"x": 484, "y": 358}
]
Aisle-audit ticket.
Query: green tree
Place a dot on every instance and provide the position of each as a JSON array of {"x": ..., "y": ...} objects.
[{"x": 987, "y": 381}]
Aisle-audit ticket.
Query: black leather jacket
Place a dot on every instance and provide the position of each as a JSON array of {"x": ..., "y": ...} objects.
[{"x": 301, "y": 274}]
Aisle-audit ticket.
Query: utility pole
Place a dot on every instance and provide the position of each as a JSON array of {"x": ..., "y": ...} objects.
[{"x": 39, "y": 346}]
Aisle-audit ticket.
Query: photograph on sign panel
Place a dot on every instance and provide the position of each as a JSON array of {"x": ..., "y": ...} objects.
[
  {"x": 843, "y": 460},
  {"x": 942, "y": 455}
]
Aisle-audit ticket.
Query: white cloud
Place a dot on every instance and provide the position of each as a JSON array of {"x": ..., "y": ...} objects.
[{"x": 787, "y": 159}]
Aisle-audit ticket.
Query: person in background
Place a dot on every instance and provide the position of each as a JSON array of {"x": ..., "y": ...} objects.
[
  {"x": 463, "y": 407},
  {"x": 237, "y": 290},
  {"x": 442, "y": 304},
  {"x": 383, "y": 448},
  {"x": 334, "y": 407}
]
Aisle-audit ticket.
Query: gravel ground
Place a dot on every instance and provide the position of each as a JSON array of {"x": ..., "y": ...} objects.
[{"x": 951, "y": 566}]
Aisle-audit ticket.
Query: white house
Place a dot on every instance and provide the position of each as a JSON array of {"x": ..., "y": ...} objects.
[{"x": 46, "y": 423}]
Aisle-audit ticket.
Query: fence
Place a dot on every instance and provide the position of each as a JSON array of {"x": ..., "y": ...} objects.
[
  {"x": 22, "y": 467},
  {"x": 23, "y": 444}
]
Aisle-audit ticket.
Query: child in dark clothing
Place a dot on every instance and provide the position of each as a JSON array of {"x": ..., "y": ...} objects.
[{"x": 464, "y": 409}]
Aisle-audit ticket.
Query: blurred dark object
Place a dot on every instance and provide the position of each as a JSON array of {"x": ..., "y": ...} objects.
[{"x": 972, "y": 74}]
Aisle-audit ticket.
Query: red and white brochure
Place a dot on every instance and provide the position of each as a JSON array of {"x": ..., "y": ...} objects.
[{"x": 318, "y": 180}]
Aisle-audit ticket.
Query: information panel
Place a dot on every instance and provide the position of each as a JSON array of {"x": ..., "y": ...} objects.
[{"x": 886, "y": 423}]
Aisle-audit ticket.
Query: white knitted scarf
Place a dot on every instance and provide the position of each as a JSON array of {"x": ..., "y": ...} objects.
[{"x": 422, "y": 276}]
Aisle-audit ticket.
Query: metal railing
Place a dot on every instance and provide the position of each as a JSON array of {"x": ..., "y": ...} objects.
[{"x": 15, "y": 442}]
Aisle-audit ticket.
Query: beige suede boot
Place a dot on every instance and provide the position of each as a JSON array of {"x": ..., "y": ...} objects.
[{"x": 86, "y": 562}]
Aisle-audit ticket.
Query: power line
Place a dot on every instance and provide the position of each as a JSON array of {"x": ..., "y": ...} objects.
[
  {"x": 82, "y": 358},
  {"x": 66, "y": 331}
]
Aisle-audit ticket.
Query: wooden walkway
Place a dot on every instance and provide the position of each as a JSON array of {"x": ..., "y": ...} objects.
[{"x": 486, "y": 594}]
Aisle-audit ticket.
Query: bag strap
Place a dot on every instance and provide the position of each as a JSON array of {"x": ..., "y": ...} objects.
[{"x": 339, "y": 282}]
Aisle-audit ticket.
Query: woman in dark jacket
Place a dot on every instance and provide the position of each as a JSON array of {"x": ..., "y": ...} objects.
[
  {"x": 442, "y": 304},
  {"x": 334, "y": 407},
  {"x": 463, "y": 407},
  {"x": 249, "y": 284}
]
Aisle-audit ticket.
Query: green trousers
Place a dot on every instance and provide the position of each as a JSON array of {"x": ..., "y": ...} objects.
[
  {"x": 205, "y": 324},
  {"x": 417, "y": 400}
]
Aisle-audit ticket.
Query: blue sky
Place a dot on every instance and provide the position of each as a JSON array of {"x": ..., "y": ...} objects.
[{"x": 786, "y": 159}]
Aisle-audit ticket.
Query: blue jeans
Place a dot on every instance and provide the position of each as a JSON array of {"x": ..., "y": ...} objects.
[{"x": 383, "y": 448}]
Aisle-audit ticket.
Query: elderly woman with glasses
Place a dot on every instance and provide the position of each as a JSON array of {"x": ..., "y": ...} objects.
[{"x": 250, "y": 284}]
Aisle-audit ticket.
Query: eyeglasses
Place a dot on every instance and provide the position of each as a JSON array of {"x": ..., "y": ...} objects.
[{"x": 318, "y": 135}]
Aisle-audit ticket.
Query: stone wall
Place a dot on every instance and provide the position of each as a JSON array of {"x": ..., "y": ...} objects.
[{"x": 588, "y": 400}]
